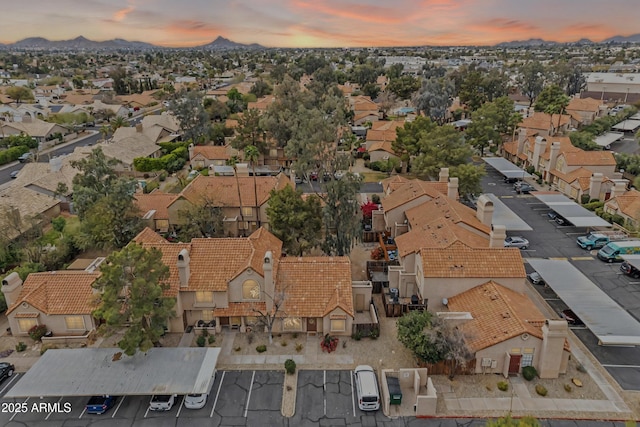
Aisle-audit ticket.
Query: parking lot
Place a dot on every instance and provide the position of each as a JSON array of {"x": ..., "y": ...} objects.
[{"x": 550, "y": 240}]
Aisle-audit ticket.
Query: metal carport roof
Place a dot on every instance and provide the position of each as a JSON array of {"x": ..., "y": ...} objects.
[
  {"x": 570, "y": 210},
  {"x": 608, "y": 138},
  {"x": 634, "y": 260},
  {"x": 609, "y": 322},
  {"x": 506, "y": 168},
  {"x": 502, "y": 215},
  {"x": 627, "y": 125},
  {"x": 93, "y": 371}
]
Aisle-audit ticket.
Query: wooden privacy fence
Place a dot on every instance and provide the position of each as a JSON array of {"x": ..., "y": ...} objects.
[{"x": 444, "y": 367}]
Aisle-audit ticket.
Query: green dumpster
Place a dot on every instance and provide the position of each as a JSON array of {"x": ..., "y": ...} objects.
[{"x": 395, "y": 393}]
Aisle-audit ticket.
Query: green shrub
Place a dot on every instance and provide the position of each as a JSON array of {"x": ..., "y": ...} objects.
[
  {"x": 529, "y": 373},
  {"x": 201, "y": 340},
  {"x": 374, "y": 334},
  {"x": 20, "y": 347},
  {"x": 375, "y": 199},
  {"x": 261, "y": 348},
  {"x": 283, "y": 343},
  {"x": 568, "y": 388},
  {"x": 212, "y": 339},
  {"x": 503, "y": 386},
  {"x": 357, "y": 335},
  {"x": 290, "y": 366},
  {"x": 584, "y": 199},
  {"x": 37, "y": 332},
  {"x": 299, "y": 347},
  {"x": 58, "y": 223},
  {"x": 541, "y": 390}
]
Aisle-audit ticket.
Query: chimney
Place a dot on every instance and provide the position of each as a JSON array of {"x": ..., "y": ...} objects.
[
  {"x": 497, "y": 236},
  {"x": 555, "y": 150},
  {"x": 522, "y": 138},
  {"x": 55, "y": 164},
  {"x": 538, "y": 149},
  {"x": 619, "y": 189},
  {"x": 183, "y": 268},
  {"x": 452, "y": 188},
  {"x": 595, "y": 185},
  {"x": 485, "y": 210},
  {"x": 269, "y": 284},
  {"x": 11, "y": 287},
  {"x": 139, "y": 128},
  {"x": 444, "y": 175},
  {"x": 554, "y": 335},
  {"x": 190, "y": 151}
]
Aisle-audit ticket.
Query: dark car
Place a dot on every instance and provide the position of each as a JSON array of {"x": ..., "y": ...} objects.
[
  {"x": 630, "y": 270},
  {"x": 6, "y": 370},
  {"x": 571, "y": 318},
  {"x": 100, "y": 404},
  {"x": 525, "y": 188},
  {"x": 552, "y": 215}
]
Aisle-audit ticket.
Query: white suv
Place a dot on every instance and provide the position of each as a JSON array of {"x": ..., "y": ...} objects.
[{"x": 162, "y": 402}]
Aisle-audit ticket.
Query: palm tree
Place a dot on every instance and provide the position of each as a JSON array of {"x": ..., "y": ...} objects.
[
  {"x": 104, "y": 131},
  {"x": 118, "y": 122},
  {"x": 233, "y": 162},
  {"x": 251, "y": 154}
]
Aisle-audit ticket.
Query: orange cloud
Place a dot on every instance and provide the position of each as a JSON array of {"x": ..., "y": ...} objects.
[
  {"x": 355, "y": 11},
  {"x": 122, "y": 13},
  {"x": 194, "y": 28},
  {"x": 501, "y": 25},
  {"x": 595, "y": 32}
]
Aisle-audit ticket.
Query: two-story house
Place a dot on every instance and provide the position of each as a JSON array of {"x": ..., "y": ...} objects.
[
  {"x": 627, "y": 205},
  {"x": 203, "y": 156},
  {"x": 584, "y": 111}
]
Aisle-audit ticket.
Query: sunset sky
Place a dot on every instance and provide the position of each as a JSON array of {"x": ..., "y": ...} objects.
[{"x": 320, "y": 23}]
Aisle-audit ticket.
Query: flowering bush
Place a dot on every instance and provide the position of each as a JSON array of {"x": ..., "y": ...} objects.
[
  {"x": 329, "y": 343},
  {"x": 37, "y": 332}
]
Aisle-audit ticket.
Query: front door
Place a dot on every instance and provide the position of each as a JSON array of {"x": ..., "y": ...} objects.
[
  {"x": 514, "y": 364},
  {"x": 312, "y": 325}
]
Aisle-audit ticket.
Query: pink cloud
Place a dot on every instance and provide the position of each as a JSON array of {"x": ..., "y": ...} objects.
[
  {"x": 122, "y": 13},
  {"x": 355, "y": 11}
]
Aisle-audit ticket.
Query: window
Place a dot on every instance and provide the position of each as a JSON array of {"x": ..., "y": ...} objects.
[
  {"x": 204, "y": 297},
  {"x": 74, "y": 322},
  {"x": 207, "y": 315},
  {"x": 527, "y": 357},
  {"x": 26, "y": 324},
  {"x": 251, "y": 290},
  {"x": 338, "y": 325},
  {"x": 515, "y": 351},
  {"x": 292, "y": 324},
  {"x": 250, "y": 320},
  {"x": 247, "y": 212}
]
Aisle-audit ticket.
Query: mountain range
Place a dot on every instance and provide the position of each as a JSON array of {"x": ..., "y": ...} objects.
[
  {"x": 82, "y": 43},
  {"x": 221, "y": 43}
]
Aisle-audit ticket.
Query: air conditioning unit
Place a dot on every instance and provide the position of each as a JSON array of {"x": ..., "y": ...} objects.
[{"x": 486, "y": 362}]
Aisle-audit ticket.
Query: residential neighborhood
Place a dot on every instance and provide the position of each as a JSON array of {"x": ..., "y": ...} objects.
[{"x": 342, "y": 236}]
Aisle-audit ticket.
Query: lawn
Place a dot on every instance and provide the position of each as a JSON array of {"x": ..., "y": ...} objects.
[{"x": 373, "y": 176}]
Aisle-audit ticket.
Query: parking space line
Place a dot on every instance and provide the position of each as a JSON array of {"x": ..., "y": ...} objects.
[
  {"x": 582, "y": 258},
  {"x": 180, "y": 408},
  {"x": 147, "y": 411},
  {"x": 16, "y": 413},
  {"x": 217, "y": 395},
  {"x": 621, "y": 366},
  {"x": 353, "y": 395},
  {"x": 324, "y": 391},
  {"x": 82, "y": 413},
  {"x": 15, "y": 376},
  {"x": 115, "y": 411},
  {"x": 246, "y": 409},
  {"x": 52, "y": 411}
]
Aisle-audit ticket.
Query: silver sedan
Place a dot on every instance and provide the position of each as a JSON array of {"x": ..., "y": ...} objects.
[{"x": 516, "y": 242}]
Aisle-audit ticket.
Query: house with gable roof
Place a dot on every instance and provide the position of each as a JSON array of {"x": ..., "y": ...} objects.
[
  {"x": 584, "y": 111},
  {"x": 226, "y": 282},
  {"x": 506, "y": 332},
  {"x": 627, "y": 205},
  {"x": 63, "y": 301}
]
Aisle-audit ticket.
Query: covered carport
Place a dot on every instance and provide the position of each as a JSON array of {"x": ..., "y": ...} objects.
[
  {"x": 570, "y": 210},
  {"x": 609, "y": 322},
  {"x": 108, "y": 371},
  {"x": 627, "y": 126},
  {"x": 633, "y": 260},
  {"x": 605, "y": 140},
  {"x": 506, "y": 168},
  {"x": 502, "y": 215}
]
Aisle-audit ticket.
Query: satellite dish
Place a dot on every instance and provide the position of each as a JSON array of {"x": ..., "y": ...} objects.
[{"x": 445, "y": 301}]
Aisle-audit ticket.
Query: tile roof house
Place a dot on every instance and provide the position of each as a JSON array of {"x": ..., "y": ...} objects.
[
  {"x": 627, "y": 205},
  {"x": 506, "y": 332},
  {"x": 564, "y": 166},
  {"x": 545, "y": 124},
  {"x": 60, "y": 300},
  {"x": 585, "y": 110},
  {"x": 227, "y": 280},
  {"x": 203, "y": 156},
  {"x": 35, "y": 128},
  {"x": 243, "y": 212},
  {"x": 262, "y": 104},
  {"x": 129, "y": 146},
  {"x": 154, "y": 208}
]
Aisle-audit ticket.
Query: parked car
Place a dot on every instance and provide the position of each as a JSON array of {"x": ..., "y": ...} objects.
[
  {"x": 14, "y": 174},
  {"x": 524, "y": 188},
  {"x": 100, "y": 404},
  {"x": 313, "y": 176},
  {"x": 511, "y": 180},
  {"x": 26, "y": 157},
  {"x": 516, "y": 242},
  {"x": 561, "y": 221},
  {"x": 6, "y": 370},
  {"x": 535, "y": 278},
  {"x": 630, "y": 270},
  {"x": 571, "y": 318},
  {"x": 197, "y": 401},
  {"x": 552, "y": 215},
  {"x": 297, "y": 179},
  {"x": 367, "y": 388},
  {"x": 162, "y": 402}
]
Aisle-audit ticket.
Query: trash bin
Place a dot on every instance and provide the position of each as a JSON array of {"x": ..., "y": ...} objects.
[{"x": 395, "y": 393}]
